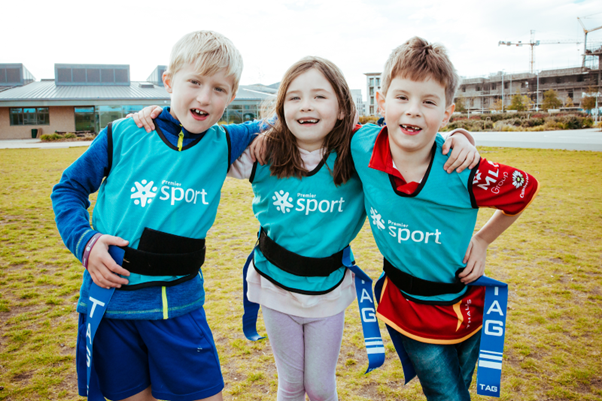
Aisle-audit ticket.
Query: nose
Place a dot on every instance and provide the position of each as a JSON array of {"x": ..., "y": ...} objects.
[
  {"x": 204, "y": 95},
  {"x": 413, "y": 109},
  {"x": 306, "y": 105}
]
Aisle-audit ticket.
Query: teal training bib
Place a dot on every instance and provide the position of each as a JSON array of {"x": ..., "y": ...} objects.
[
  {"x": 425, "y": 234},
  {"x": 310, "y": 217}
]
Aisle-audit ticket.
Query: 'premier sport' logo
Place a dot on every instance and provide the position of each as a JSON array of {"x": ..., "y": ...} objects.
[
  {"x": 144, "y": 192},
  {"x": 402, "y": 232},
  {"x": 305, "y": 203}
]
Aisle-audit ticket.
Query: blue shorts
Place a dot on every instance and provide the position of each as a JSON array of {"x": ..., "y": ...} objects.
[{"x": 176, "y": 356}]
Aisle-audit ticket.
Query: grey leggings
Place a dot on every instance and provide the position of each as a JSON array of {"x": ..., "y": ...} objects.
[{"x": 306, "y": 352}]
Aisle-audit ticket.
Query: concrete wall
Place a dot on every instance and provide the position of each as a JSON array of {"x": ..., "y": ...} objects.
[{"x": 61, "y": 118}]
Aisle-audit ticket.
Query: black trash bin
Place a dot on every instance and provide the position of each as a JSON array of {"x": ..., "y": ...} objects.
[{"x": 34, "y": 132}]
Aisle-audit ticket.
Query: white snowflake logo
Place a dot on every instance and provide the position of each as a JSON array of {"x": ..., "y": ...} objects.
[
  {"x": 517, "y": 179},
  {"x": 477, "y": 177},
  {"x": 145, "y": 193},
  {"x": 377, "y": 220},
  {"x": 282, "y": 201}
]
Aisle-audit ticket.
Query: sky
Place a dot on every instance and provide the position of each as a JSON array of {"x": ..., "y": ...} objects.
[{"x": 356, "y": 35}]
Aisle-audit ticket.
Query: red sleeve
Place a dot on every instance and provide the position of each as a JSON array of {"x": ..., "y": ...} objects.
[{"x": 503, "y": 187}]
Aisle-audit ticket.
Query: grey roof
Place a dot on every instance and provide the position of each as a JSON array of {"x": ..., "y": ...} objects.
[
  {"x": 47, "y": 93},
  {"x": 252, "y": 93},
  {"x": 47, "y": 90}
]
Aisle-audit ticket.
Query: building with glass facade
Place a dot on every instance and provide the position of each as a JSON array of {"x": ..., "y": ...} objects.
[{"x": 86, "y": 97}]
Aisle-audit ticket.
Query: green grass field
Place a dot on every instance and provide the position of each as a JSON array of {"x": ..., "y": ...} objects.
[{"x": 551, "y": 259}]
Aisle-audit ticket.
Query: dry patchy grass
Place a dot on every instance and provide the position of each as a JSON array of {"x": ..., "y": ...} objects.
[{"x": 551, "y": 259}]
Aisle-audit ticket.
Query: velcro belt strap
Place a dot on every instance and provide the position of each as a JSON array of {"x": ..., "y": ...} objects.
[
  {"x": 163, "y": 264},
  {"x": 296, "y": 264},
  {"x": 163, "y": 254},
  {"x": 417, "y": 286}
]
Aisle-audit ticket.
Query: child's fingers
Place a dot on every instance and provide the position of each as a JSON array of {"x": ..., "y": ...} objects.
[
  {"x": 475, "y": 273},
  {"x": 467, "y": 162},
  {"x": 455, "y": 160},
  {"x": 466, "y": 256},
  {"x": 155, "y": 113},
  {"x": 446, "y": 146},
  {"x": 137, "y": 120},
  {"x": 475, "y": 161}
]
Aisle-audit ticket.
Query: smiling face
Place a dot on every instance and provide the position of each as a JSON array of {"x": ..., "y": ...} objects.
[
  {"x": 311, "y": 109},
  {"x": 198, "y": 101},
  {"x": 414, "y": 112}
]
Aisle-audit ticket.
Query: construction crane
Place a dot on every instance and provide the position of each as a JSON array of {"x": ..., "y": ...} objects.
[
  {"x": 586, "y": 31},
  {"x": 534, "y": 43}
]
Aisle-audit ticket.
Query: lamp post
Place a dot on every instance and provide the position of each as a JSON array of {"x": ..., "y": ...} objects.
[
  {"x": 502, "y": 91},
  {"x": 537, "y": 105}
]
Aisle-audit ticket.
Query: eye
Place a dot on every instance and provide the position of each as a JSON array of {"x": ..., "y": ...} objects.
[
  {"x": 402, "y": 97},
  {"x": 430, "y": 102},
  {"x": 294, "y": 98},
  {"x": 220, "y": 89},
  {"x": 194, "y": 82},
  {"x": 320, "y": 97}
]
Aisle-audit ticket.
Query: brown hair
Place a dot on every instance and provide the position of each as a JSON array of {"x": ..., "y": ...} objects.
[
  {"x": 419, "y": 60},
  {"x": 281, "y": 144}
]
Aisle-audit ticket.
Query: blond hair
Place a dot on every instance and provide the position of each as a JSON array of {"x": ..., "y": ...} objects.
[
  {"x": 420, "y": 60},
  {"x": 209, "y": 52}
]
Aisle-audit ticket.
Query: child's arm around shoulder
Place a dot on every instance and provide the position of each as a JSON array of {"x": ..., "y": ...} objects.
[
  {"x": 510, "y": 191},
  {"x": 464, "y": 153},
  {"x": 70, "y": 203}
]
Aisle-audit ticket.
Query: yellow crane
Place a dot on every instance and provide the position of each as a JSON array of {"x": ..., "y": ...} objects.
[{"x": 534, "y": 43}]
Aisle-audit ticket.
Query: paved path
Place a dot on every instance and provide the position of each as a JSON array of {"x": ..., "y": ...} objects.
[
  {"x": 36, "y": 143},
  {"x": 584, "y": 139}
]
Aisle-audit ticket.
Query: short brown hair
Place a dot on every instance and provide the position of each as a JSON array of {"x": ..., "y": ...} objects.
[
  {"x": 420, "y": 60},
  {"x": 281, "y": 144}
]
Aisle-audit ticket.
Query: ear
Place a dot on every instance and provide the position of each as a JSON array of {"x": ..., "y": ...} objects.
[
  {"x": 167, "y": 82},
  {"x": 231, "y": 100},
  {"x": 380, "y": 100},
  {"x": 447, "y": 115}
]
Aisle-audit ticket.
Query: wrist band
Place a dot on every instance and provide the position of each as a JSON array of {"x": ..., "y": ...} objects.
[{"x": 88, "y": 249}]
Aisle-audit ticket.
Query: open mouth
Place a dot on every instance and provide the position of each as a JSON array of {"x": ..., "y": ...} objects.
[
  {"x": 308, "y": 121},
  {"x": 411, "y": 129},
  {"x": 199, "y": 113}
]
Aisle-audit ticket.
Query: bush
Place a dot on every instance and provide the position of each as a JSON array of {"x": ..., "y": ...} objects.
[
  {"x": 70, "y": 135},
  {"x": 368, "y": 119}
]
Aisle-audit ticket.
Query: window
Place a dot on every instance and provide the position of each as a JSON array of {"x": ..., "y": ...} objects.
[
  {"x": 505, "y": 85},
  {"x": 372, "y": 100},
  {"x": 84, "y": 118},
  {"x": 371, "y": 81},
  {"x": 29, "y": 116},
  {"x": 371, "y": 91},
  {"x": 464, "y": 89},
  {"x": 377, "y": 81},
  {"x": 579, "y": 78},
  {"x": 493, "y": 86},
  {"x": 478, "y": 88}
]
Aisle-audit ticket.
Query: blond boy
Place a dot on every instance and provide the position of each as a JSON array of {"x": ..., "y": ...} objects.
[{"x": 158, "y": 196}]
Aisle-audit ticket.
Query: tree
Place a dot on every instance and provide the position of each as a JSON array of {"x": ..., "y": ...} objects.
[
  {"x": 550, "y": 100},
  {"x": 520, "y": 102},
  {"x": 497, "y": 105},
  {"x": 460, "y": 107},
  {"x": 589, "y": 102},
  {"x": 568, "y": 102}
]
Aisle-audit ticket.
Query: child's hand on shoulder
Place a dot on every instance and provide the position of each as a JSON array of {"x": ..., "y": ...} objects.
[
  {"x": 464, "y": 154},
  {"x": 475, "y": 260},
  {"x": 101, "y": 266},
  {"x": 257, "y": 149},
  {"x": 144, "y": 118}
]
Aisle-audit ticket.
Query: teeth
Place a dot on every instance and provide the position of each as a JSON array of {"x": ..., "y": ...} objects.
[
  {"x": 412, "y": 128},
  {"x": 308, "y": 121},
  {"x": 200, "y": 112}
]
